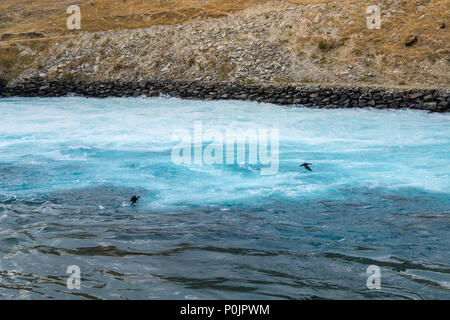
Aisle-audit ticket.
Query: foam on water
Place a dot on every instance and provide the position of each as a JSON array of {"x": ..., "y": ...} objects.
[{"x": 76, "y": 142}]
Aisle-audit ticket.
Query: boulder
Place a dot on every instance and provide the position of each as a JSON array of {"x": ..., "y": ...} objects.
[
  {"x": 3, "y": 84},
  {"x": 411, "y": 40}
]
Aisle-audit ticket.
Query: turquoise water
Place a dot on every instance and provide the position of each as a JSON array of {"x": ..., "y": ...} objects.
[{"x": 378, "y": 195}]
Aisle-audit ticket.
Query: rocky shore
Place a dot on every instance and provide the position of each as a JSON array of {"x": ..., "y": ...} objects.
[
  {"x": 279, "y": 56},
  {"x": 318, "y": 96},
  {"x": 313, "y": 44}
]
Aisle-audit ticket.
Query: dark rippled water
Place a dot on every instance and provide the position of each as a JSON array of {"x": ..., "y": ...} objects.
[{"x": 378, "y": 195}]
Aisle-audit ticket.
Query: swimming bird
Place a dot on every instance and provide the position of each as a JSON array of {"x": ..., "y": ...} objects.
[
  {"x": 134, "y": 199},
  {"x": 306, "y": 165}
]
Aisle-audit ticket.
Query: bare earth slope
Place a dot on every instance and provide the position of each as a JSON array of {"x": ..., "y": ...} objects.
[{"x": 230, "y": 41}]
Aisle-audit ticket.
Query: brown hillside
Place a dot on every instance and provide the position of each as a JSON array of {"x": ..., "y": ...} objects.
[
  {"x": 331, "y": 40},
  {"x": 49, "y": 16}
]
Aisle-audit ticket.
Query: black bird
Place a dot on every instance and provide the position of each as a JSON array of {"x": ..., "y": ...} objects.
[
  {"x": 134, "y": 199},
  {"x": 306, "y": 165}
]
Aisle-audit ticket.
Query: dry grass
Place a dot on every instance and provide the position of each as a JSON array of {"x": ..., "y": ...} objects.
[
  {"x": 49, "y": 16},
  {"x": 425, "y": 23},
  {"x": 8, "y": 56},
  {"x": 386, "y": 47}
]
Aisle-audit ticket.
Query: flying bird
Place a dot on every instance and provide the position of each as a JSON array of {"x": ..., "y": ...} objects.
[
  {"x": 134, "y": 199},
  {"x": 306, "y": 165}
]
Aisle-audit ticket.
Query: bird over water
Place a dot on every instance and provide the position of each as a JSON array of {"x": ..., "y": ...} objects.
[
  {"x": 134, "y": 199},
  {"x": 306, "y": 166}
]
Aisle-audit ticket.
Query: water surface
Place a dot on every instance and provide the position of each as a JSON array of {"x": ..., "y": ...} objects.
[{"x": 378, "y": 195}]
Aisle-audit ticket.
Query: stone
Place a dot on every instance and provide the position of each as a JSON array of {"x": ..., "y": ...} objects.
[
  {"x": 430, "y": 105},
  {"x": 411, "y": 40},
  {"x": 415, "y": 96},
  {"x": 428, "y": 98},
  {"x": 3, "y": 84}
]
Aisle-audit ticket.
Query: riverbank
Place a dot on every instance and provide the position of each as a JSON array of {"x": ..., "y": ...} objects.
[
  {"x": 313, "y": 54},
  {"x": 319, "y": 96},
  {"x": 324, "y": 43}
]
